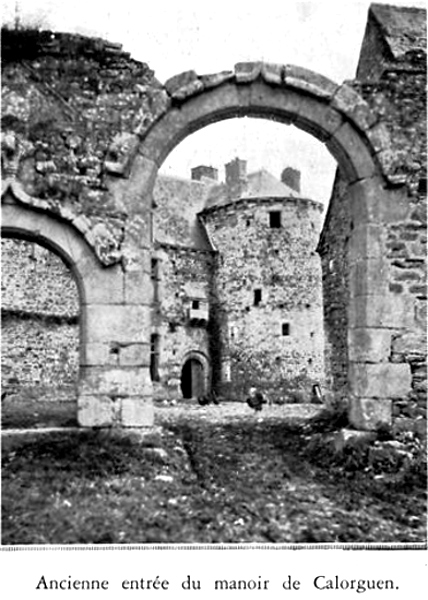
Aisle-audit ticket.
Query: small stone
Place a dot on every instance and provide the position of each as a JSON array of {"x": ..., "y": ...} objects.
[
  {"x": 349, "y": 438},
  {"x": 164, "y": 478}
]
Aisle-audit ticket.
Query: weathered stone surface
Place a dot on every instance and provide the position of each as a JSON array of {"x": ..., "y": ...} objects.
[
  {"x": 101, "y": 285},
  {"x": 134, "y": 355},
  {"x": 369, "y": 344},
  {"x": 115, "y": 381},
  {"x": 309, "y": 81},
  {"x": 382, "y": 380},
  {"x": 137, "y": 412},
  {"x": 366, "y": 241},
  {"x": 215, "y": 79},
  {"x": 351, "y": 104},
  {"x": 273, "y": 73},
  {"x": 96, "y": 411},
  {"x": 349, "y": 438},
  {"x": 390, "y": 310},
  {"x": 410, "y": 346},
  {"x": 245, "y": 72},
  {"x": 369, "y": 414},
  {"x": 368, "y": 276},
  {"x": 352, "y": 153},
  {"x": 184, "y": 85},
  {"x": 117, "y": 323}
]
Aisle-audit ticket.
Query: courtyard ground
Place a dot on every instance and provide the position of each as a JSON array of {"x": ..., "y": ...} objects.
[{"x": 216, "y": 474}]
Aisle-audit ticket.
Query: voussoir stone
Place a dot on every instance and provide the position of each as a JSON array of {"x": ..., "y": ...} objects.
[
  {"x": 184, "y": 85},
  {"x": 273, "y": 73},
  {"x": 215, "y": 79},
  {"x": 308, "y": 81},
  {"x": 245, "y": 72},
  {"x": 350, "y": 103}
]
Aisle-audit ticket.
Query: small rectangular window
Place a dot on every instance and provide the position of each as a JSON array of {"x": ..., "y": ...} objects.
[
  {"x": 155, "y": 268},
  {"x": 275, "y": 219},
  {"x": 286, "y": 329},
  {"x": 257, "y": 297},
  {"x": 195, "y": 304}
]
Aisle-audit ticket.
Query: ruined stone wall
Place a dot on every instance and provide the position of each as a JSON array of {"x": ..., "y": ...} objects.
[
  {"x": 269, "y": 296},
  {"x": 40, "y": 312},
  {"x": 71, "y": 107},
  {"x": 333, "y": 249},
  {"x": 183, "y": 276},
  {"x": 392, "y": 80}
]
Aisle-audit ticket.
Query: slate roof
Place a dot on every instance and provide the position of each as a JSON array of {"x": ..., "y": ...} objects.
[
  {"x": 260, "y": 184},
  {"x": 403, "y": 28}
]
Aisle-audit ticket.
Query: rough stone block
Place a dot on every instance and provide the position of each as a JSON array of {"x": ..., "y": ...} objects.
[
  {"x": 273, "y": 73},
  {"x": 350, "y": 438},
  {"x": 116, "y": 381},
  {"x": 117, "y": 323},
  {"x": 351, "y": 104},
  {"x": 216, "y": 79},
  {"x": 369, "y": 344},
  {"x": 382, "y": 380},
  {"x": 183, "y": 85},
  {"x": 308, "y": 81},
  {"x": 369, "y": 414},
  {"x": 380, "y": 137},
  {"x": 391, "y": 311},
  {"x": 137, "y": 412},
  {"x": 95, "y": 411},
  {"x": 411, "y": 345},
  {"x": 245, "y": 72}
]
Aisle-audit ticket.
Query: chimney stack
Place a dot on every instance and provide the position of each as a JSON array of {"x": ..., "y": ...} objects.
[
  {"x": 291, "y": 177},
  {"x": 236, "y": 177}
]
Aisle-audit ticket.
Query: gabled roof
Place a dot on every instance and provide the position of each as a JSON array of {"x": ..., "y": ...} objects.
[
  {"x": 403, "y": 27},
  {"x": 260, "y": 184}
]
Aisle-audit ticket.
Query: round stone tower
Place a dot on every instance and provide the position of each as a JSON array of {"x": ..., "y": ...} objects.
[{"x": 268, "y": 286}]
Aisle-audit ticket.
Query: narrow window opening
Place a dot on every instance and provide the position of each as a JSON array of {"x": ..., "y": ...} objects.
[
  {"x": 275, "y": 219},
  {"x": 257, "y": 297},
  {"x": 155, "y": 268},
  {"x": 195, "y": 304},
  {"x": 286, "y": 329},
  {"x": 154, "y": 357}
]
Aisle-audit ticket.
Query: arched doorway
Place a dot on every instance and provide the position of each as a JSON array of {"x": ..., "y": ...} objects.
[
  {"x": 339, "y": 118},
  {"x": 192, "y": 379}
]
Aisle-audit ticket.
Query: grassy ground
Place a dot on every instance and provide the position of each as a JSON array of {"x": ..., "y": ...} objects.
[{"x": 207, "y": 475}]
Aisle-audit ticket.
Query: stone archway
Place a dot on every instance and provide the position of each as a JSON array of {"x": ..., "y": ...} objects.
[
  {"x": 113, "y": 387},
  {"x": 195, "y": 375},
  {"x": 340, "y": 119}
]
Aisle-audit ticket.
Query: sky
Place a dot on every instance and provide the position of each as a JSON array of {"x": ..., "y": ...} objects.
[{"x": 172, "y": 37}]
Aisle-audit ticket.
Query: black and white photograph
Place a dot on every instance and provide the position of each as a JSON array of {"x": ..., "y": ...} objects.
[{"x": 213, "y": 283}]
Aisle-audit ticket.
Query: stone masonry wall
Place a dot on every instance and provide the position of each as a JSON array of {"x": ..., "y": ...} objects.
[
  {"x": 184, "y": 275},
  {"x": 71, "y": 107},
  {"x": 394, "y": 86},
  {"x": 274, "y": 343},
  {"x": 40, "y": 313},
  {"x": 333, "y": 249}
]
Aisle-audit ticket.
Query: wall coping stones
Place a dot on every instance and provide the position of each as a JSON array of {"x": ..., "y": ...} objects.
[{"x": 309, "y": 81}]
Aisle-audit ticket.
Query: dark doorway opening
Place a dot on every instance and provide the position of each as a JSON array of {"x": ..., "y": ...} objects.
[{"x": 192, "y": 379}]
